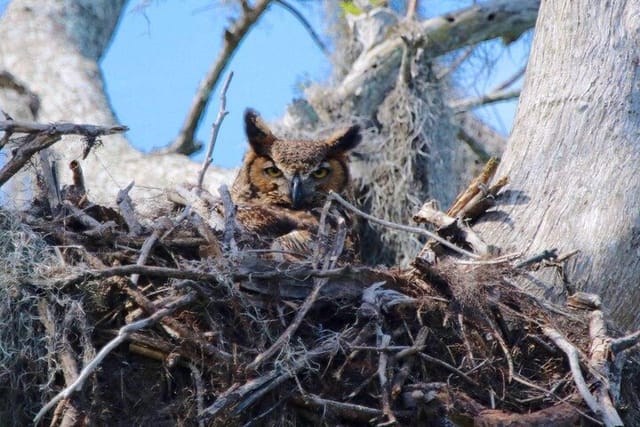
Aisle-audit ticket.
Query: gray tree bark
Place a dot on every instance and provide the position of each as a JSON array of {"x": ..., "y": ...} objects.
[
  {"x": 574, "y": 153},
  {"x": 49, "y": 56}
]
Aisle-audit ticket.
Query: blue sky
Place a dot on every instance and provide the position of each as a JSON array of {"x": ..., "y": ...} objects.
[
  {"x": 158, "y": 58},
  {"x": 160, "y": 53}
]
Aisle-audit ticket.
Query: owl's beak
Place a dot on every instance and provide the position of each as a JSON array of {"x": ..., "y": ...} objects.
[{"x": 296, "y": 192}]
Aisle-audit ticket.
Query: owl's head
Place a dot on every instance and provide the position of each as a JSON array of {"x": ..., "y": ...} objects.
[{"x": 296, "y": 174}]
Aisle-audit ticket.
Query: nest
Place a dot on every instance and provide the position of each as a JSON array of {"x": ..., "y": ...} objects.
[{"x": 111, "y": 320}]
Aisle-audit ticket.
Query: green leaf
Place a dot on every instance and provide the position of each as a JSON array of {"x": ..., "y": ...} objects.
[{"x": 348, "y": 8}]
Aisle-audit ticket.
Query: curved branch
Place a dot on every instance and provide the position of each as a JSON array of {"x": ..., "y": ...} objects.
[
  {"x": 307, "y": 26},
  {"x": 184, "y": 142}
]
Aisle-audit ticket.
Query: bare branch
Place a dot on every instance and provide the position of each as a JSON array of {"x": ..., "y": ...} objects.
[
  {"x": 222, "y": 113},
  {"x": 412, "y": 8},
  {"x": 440, "y": 35},
  {"x": 402, "y": 227},
  {"x": 307, "y": 26},
  {"x": 126, "y": 210},
  {"x": 122, "y": 336},
  {"x": 489, "y": 98},
  {"x": 574, "y": 363},
  {"x": 184, "y": 142},
  {"x": 43, "y": 136},
  {"x": 62, "y": 128}
]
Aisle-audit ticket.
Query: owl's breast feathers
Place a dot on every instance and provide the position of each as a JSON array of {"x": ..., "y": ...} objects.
[{"x": 294, "y": 232}]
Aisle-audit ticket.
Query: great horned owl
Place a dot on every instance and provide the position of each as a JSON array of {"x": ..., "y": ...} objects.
[{"x": 283, "y": 184}]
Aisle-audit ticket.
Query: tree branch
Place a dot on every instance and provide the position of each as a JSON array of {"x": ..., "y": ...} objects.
[
  {"x": 489, "y": 98},
  {"x": 480, "y": 22},
  {"x": 222, "y": 113},
  {"x": 123, "y": 334},
  {"x": 43, "y": 136},
  {"x": 184, "y": 142},
  {"x": 307, "y": 26}
]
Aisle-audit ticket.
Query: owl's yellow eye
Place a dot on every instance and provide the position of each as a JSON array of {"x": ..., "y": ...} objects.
[
  {"x": 320, "y": 172},
  {"x": 273, "y": 172}
]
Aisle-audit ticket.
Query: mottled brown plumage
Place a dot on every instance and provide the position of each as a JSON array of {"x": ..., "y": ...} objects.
[{"x": 283, "y": 184}]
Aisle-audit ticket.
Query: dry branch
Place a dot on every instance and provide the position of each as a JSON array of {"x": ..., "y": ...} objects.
[
  {"x": 126, "y": 210},
  {"x": 123, "y": 335},
  {"x": 40, "y": 137},
  {"x": 406, "y": 228},
  {"x": 439, "y": 35},
  {"x": 222, "y": 113},
  {"x": 574, "y": 362},
  {"x": 233, "y": 36},
  {"x": 488, "y": 98}
]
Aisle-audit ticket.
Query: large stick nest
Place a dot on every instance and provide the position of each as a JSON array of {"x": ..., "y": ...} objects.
[{"x": 109, "y": 321}]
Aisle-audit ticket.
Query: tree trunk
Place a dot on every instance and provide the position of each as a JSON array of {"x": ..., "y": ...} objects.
[
  {"x": 574, "y": 153},
  {"x": 49, "y": 59}
]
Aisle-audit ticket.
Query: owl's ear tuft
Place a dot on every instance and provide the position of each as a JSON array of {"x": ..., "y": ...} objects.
[
  {"x": 345, "y": 139},
  {"x": 258, "y": 133}
]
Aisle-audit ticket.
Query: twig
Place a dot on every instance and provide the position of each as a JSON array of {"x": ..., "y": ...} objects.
[
  {"x": 481, "y": 202},
  {"x": 544, "y": 255},
  {"x": 222, "y": 113},
  {"x": 96, "y": 228},
  {"x": 347, "y": 410},
  {"x": 449, "y": 367},
  {"x": 229, "y": 219},
  {"x": 197, "y": 380},
  {"x": 307, "y": 26},
  {"x": 467, "y": 345},
  {"x": 32, "y": 144},
  {"x": 624, "y": 343},
  {"x": 598, "y": 358},
  {"x": 123, "y": 334},
  {"x": 574, "y": 363},
  {"x": 160, "y": 226},
  {"x": 474, "y": 188},
  {"x": 456, "y": 63},
  {"x": 383, "y": 359},
  {"x": 406, "y": 228},
  {"x": 467, "y": 104},
  {"x": 511, "y": 80},
  {"x": 405, "y": 369},
  {"x": 184, "y": 142},
  {"x": 412, "y": 8},
  {"x": 126, "y": 209},
  {"x": 503, "y": 346},
  {"x": 246, "y": 394},
  {"x": 50, "y": 181}
]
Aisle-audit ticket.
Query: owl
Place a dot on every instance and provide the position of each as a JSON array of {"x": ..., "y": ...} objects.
[{"x": 283, "y": 184}]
